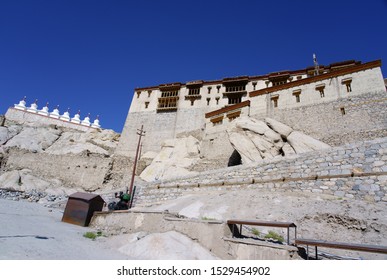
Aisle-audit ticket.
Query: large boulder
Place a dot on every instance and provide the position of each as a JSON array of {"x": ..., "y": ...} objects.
[
  {"x": 172, "y": 161},
  {"x": 255, "y": 140},
  {"x": 303, "y": 143},
  {"x": 279, "y": 127}
]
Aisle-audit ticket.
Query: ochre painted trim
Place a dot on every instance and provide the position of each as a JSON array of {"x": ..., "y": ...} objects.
[
  {"x": 333, "y": 74},
  {"x": 227, "y": 109}
]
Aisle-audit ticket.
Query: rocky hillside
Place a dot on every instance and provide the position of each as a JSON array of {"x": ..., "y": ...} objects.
[{"x": 51, "y": 161}]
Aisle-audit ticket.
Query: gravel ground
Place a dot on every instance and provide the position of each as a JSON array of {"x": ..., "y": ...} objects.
[{"x": 30, "y": 231}]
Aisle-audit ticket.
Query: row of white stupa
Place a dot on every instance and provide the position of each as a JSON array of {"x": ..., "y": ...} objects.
[{"x": 55, "y": 114}]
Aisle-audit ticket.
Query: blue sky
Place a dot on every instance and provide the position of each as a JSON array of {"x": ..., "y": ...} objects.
[{"x": 90, "y": 55}]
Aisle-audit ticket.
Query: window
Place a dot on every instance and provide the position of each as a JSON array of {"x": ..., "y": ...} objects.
[
  {"x": 218, "y": 88},
  {"x": 277, "y": 83},
  {"x": 170, "y": 93},
  {"x": 146, "y": 105},
  {"x": 254, "y": 85},
  {"x": 168, "y": 100},
  {"x": 208, "y": 101},
  {"x": 235, "y": 88},
  {"x": 274, "y": 99},
  {"x": 149, "y": 93},
  {"x": 209, "y": 89},
  {"x": 138, "y": 94},
  {"x": 193, "y": 94},
  {"x": 299, "y": 77},
  {"x": 217, "y": 100},
  {"x": 234, "y": 99},
  {"x": 320, "y": 88},
  {"x": 194, "y": 91},
  {"x": 347, "y": 82},
  {"x": 342, "y": 110},
  {"x": 297, "y": 94}
]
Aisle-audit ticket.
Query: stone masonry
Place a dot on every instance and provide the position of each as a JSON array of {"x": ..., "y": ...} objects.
[{"x": 354, "y": 171}]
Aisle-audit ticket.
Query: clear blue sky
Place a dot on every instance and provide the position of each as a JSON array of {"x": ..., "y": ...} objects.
[{"x": 90, "y": 55}]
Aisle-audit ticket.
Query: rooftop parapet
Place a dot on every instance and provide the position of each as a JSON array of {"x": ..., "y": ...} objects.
[{"x": 55, "y": 114}]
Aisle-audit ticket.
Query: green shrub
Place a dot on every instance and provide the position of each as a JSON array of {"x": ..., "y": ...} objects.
[
  {"x": 90, "y": 235},
  {"x": 255, "y": 232},
  {"x": 275, "y": 236}
]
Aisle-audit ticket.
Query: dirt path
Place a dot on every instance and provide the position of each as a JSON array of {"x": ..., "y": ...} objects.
[{"x": 29, "y": 231}]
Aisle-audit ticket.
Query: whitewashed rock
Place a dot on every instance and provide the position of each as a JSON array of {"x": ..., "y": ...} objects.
[
  {"x": 254, "y": 140},
  {"x": 303, "y": 143},
  {"x": 171, "y": 162},
  {"x": 265, "y": 148},
  {"x": 288, "y": 150},
  {"x": 279, "y": 127},
  {"x": 251, "y": 124},
  {"x": 245, "y": 147}
]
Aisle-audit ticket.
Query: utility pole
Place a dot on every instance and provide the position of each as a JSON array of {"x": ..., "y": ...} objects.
[{"x": 140, "y": 133}]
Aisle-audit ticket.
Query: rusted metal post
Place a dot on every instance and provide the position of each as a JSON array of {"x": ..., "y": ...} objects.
[{"x": 141, "y": 133}]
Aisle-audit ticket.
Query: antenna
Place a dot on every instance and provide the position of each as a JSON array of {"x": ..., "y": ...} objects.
[{"x": 316, "y": 67}]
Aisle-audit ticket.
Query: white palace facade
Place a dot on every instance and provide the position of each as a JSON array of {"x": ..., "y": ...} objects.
[{"x": 206, "y": 107}]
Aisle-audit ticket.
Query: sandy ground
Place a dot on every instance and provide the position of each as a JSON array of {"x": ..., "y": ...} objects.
[
  {"x": 317, "y": 216},
  {"x": 30, "y": 231}
]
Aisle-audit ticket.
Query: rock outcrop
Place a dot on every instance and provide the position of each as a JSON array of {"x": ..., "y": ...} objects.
[
  {"x": 54, "y": 160},
  {"x": 264, "y": 139},
  {"x": 175, "y": 157}
]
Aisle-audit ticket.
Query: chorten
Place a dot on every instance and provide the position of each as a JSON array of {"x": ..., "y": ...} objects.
[
  {"x": 96, "y": 123},
  {"x": 22, "y": 104},
  {"x": 44, "y": 110},
  {"x": 66, "y": 115},
  {"x": 55, "y": 113},
  {"x": 76, "y": 118},
  {"x": 86, "y": 121},
  {"x": 34, "y": 107}
]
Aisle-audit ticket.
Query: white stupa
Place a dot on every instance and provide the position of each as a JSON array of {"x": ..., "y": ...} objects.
[
  {"x": 65, "y": 116},
  {"x": 44, "y": 110},
  {"x": 55, "y": 113},
  {"x": 34, "y": 107},
  {"x": 86, "y": 121},
  {"x": 76, "y": 118},
  {"x": 22, "y": 104},
  {"x": 96, "y": 123}
]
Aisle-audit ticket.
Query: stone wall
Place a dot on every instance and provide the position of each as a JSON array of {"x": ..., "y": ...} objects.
[
  {"x": 347, "y": 120},
  {"x": 86, "y": 171},
  {"x": 355, "y": 171},
  {"x": 24, "y": 117}
]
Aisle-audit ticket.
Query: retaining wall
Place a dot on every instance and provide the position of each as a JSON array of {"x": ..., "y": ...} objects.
[{"x": 357, "y": 171}]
